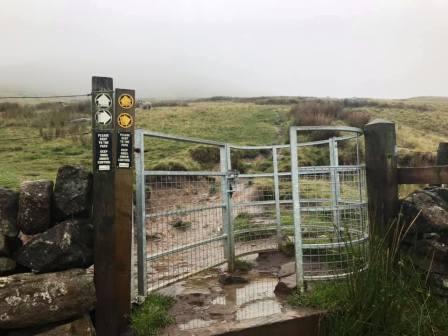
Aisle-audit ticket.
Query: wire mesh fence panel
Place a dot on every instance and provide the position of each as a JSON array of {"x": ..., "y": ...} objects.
[
  {"x": 254, "y": 216},
  {"x": 182, "y": 211},
  {"x": 330, "y": 220},
  {"x": 211, "y": 202},
  {"x": 255, "y": 228},
  {"x": 181, "y": 208}
]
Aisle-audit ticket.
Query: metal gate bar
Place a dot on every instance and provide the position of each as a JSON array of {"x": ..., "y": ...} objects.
[
  {"x": 249, "y": 212},
  {"x": 343, "y": 213}
]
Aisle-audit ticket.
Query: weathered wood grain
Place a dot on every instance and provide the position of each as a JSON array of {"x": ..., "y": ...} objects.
[
  {"x": 381, "y": 172},
  {"x": 423, "y": 175}
]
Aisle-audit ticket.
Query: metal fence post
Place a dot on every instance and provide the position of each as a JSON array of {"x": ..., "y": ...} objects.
[
  {"x": 296, "y": 208},
  {"x": 335, "y": 183},
  {"x": 229, "y": 247},
  {"x": 140, "y": 212},
  {"x": 277, "y": 195}
]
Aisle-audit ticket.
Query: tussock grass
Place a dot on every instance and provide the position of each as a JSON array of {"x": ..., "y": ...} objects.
[
  {"x": 242, "y": 265},
  {"x": 152, "y": 316},
  {"x": 389, "y": 298}
]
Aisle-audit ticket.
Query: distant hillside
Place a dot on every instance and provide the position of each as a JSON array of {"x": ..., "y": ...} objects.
[{"x": 35, "y": 139}]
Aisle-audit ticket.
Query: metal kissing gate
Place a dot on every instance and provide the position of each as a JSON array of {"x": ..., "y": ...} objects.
[{"x": 306, "y": 198}]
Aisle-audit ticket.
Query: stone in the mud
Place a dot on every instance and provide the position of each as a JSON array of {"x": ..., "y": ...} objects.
[
  {"x": 80, "y": 327},
  {"x": 9, "y": 201},
  {"x": 194, "y": 296},
  {"x": 286, "y": 285},
  {"x": 221, "y": 310},
  {"x": 29, "y": 300},
  {"x": 66, "y": 245},
  {"x": 287, "y": 269},
  {"x": 34, "y": 214},
  {"x": 72, "y": 193},
  {"x": 7, "y": 266},
  {"x": 172, "y": 290},
  {"x": 431, "y": 209},
  {"x": 230, "y": 279},
  {"x": 154, "y": 236}
]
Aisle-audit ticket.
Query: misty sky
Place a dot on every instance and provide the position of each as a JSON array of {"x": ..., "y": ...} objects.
[{"x": 181, "y": 48}]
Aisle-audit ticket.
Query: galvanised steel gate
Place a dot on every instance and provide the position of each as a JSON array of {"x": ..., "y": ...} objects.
[
  {"x": 261, "y": 198},
  {"x": 329, "y": 206},
  {"x": 182, "y": 217}
]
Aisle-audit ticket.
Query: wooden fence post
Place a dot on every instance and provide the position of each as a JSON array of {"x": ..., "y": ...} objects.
[
  {"x": 103, "y": 203},
  {"x": 381, "y": 170},
  {"x": 125, "y": 119},
  {"x": 112, "y": 135},
  {"x": 442, "y": 154}
]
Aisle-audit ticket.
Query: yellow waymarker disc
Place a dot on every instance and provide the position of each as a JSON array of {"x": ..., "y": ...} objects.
[
  {"x": 126, "y": 101},
  {"x": 125, "y": 120}
]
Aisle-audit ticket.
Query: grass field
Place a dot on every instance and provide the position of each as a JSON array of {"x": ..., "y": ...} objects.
[{"x": 36, "y": 139}]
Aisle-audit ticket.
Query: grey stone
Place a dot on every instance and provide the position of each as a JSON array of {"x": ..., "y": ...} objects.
[
  {"x": 287, "y": 269},
  {"x": 194, "y": 296},
  {"x": 66, "y": 245},
  {"x": 9, "y": 201},
  {"x": 286, "y": 285},
  {"x": 34, "y": 214},
  {"x": 79, "y": 327},
  {"x": 439, "y": 284},
  {"x": 432, "y": 248},
  {"x": 428, "y": 264},
  {"x": 4, "y": 250},
  {"x": 440, "y": 192},
  {"x": 9, "y": 245},
  {"x": 230, "y": 279},
  {"x": 29, "y": 300},
  {"x": 72, "y": 193},
  {"x": 7, "y": 266},
  {"x": 431, "y": 209},
  {"x": 221, "y": 310},
  {"x": 13, "y": 244}
]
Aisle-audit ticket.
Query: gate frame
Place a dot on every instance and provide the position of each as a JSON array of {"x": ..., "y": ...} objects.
[
  {"x": 295, "y": 171},
  {"x": 141, "y": 216},
  {"x": 227, "y": 176}
]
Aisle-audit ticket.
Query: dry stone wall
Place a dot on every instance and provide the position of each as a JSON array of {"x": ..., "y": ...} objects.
[
  {"x": 425, "y": 212},
  {"x": 46, "y": 254}
]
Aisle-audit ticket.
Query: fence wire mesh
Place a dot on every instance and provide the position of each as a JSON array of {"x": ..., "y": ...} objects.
[
  {"x": 182, "y": 212},
  {"x": 244, "y": 202},
  {"x": 332, "y": 213}
]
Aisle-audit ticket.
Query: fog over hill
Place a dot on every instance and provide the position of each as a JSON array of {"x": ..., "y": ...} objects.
[{"x": 179, "y": 48}]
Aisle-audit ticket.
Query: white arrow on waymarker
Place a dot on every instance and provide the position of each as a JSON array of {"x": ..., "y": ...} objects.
[
  {"x": 103, "y": 100},
  {"x": 103, "y": 117}
]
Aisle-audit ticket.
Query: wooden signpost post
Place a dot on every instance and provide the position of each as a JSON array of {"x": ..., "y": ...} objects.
[{"x": 112, "y": 136}]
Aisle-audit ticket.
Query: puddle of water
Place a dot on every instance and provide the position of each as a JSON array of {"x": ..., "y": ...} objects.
[
  {"x": 195, "y": 324},
  {"x": 258, "y": 309},
  {"x": 256, "y": 290},
  {"x": 235, "y": 303},
  {"x": 204, "y": 303}
]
